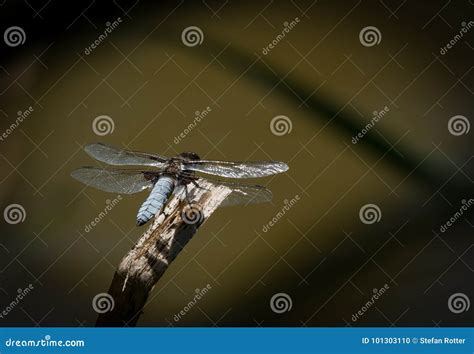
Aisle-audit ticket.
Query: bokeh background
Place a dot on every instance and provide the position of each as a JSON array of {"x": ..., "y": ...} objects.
[{"x": 326, "y": 83}]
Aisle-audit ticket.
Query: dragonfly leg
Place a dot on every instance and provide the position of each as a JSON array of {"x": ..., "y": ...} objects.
[
  {"x": 190, "y": 177},
  {"x": 197, "y": 185},
  {"x": 186, "y": 192},
  {"x": 186, "y": 176}
]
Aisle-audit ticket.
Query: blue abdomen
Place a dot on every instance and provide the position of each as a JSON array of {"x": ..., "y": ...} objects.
[{"x": 156, "y": 200}]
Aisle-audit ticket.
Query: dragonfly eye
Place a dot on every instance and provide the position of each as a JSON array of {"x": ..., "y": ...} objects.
[{"x": 190, "y": 155}]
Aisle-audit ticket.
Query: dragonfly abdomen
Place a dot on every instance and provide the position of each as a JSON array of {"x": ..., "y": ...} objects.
[{"x": 156, "y": 200}]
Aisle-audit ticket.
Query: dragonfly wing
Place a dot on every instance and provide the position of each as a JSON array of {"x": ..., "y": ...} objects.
[
  {"x": 114, "y": 181},
  {"x": 243, "y": 194},
  {"x": 116, "y": 156},
  {"x": 237, "y": 169}
]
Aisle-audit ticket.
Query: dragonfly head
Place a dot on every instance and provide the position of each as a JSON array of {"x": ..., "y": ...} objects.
[{"x": 189, "y": 155}]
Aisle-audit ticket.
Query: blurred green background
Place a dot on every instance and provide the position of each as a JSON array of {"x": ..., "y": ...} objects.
[{"x": 323, "y": 79}]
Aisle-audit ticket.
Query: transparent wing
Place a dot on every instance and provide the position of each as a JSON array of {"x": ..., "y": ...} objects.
[
  {"x": 237, "y": 169},
  {"x": 243, "y": 194},
  {"x": 116, "y": 156},
  {"x": 114, "y": 181}
]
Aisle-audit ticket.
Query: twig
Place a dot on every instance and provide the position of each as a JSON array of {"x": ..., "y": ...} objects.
[{"x": 146, "y": 262}]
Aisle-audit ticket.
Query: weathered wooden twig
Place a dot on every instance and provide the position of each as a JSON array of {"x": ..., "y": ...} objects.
[{"x": 146, "y": 262}]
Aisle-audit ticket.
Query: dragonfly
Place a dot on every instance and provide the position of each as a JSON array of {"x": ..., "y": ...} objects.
[{"x": 162, "y": 176}]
